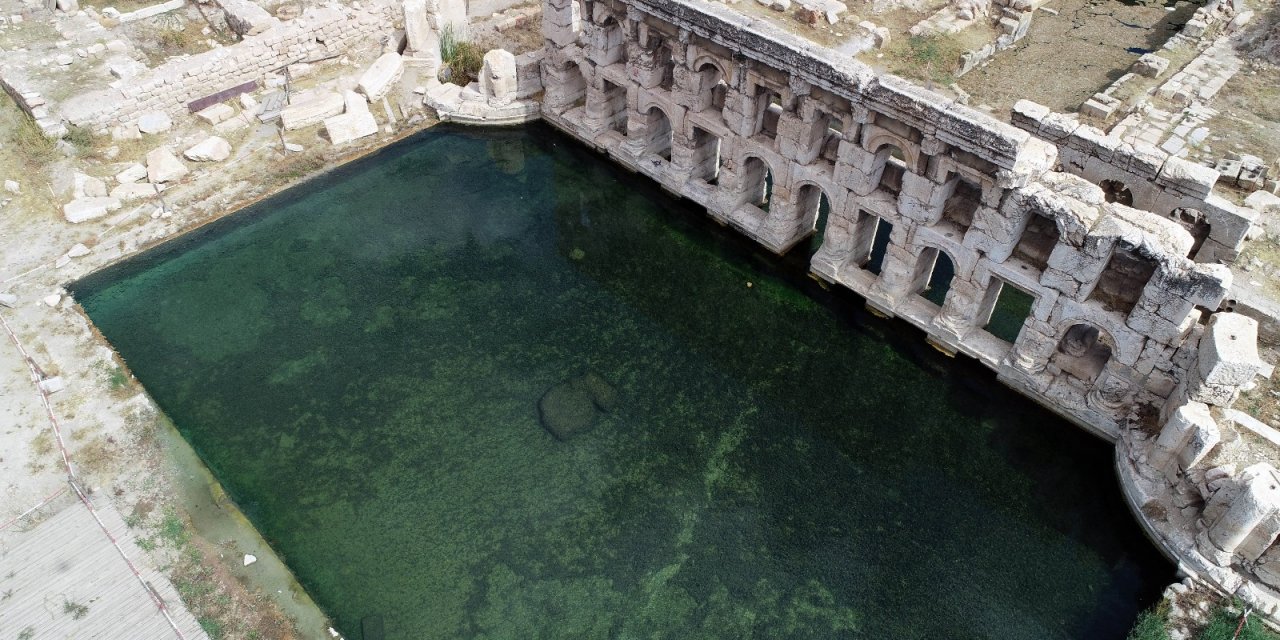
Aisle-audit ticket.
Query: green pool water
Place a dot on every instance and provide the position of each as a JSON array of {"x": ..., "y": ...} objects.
[{"x": 485, "y": 385}]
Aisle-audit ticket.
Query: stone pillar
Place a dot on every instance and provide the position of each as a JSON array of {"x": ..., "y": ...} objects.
[
  {"x": 498, "y": 77},
  {"x": 452, "y": 15},
  {"x": 1251, "y": 518},
  {"x": 1227, "y": 361},
  {"x": 423, "y": 41},
  {"x": 1186, "y": 438},
  {"x": 561, "y": 21},
  {"x": 1032, "y": 350}
]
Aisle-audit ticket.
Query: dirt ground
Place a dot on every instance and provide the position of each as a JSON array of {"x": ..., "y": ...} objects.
[
  {"x": 121, "y": 446},
  {"x": 1068, "y": 57}
]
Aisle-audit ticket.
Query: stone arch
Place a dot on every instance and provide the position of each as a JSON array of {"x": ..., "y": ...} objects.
[
  {"x": 891, "y": 163},
  {"x": 1194, "y": 221},
  {"x": 878, "y": 139},
  {"x": 1117, "y": 192},
  {"x": 657, "y": 130},
  {"x": 813, "y": 207},
  {"x": 572, "y": 90},
  {"x": 713, "y": 81},
  {"x": 935, "y": 269},
  {"x": 1084, "y": 350},
  {"x": 757, "y": 181}
]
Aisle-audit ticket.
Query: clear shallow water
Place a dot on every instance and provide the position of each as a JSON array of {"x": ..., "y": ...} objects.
[{"x": 361, "y": 362}]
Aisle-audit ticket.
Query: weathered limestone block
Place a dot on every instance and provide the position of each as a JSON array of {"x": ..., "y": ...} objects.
[
  {"x": 246, "y": 18},
  {"x": 85, "y": 209},
  {"x": 1150, "y": 65},
  {"x": 86, "y": 186},
  {"x": 311, "y": 109},
  {"x": 529, "y": 73},
  {"x": 423, "y": 41},
  {"x": 1227, "y": 360},
  {"x": 384, "y": 72},
  {"x": 216, "y": 113},
  {"x": 1186, "y": 438},
  {"x": 155, "y": 122},
  {"x": 135, "y": 190},
  {"x": 357, "y": 122},
  {"x": 211, "y": 149},
  {"x": 133, "y": 173},
  {"x": 561, "y": 21},
  {"x": 163, "y": 166},
  {"x": 498, "y": 77},
  {"x": 1250, "y": 521}
]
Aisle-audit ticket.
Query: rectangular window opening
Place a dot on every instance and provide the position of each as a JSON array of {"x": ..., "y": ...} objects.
[
  {"x": 1010, "y": 311},
  {"x": 1037, "y": 242},
  {"x": 1123, "y": 280}
]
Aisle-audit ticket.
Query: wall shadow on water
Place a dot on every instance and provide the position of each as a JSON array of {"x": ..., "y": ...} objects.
[{"x": 367, "y": 363}]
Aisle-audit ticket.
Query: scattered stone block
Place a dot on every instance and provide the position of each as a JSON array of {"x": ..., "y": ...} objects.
[
  {"x": 87, "y": 186},
  {"x": 85, "y": 209},
  {"x": 248, "y": 104},
  {"x": 52, "y": 385},
  {"x": 135, "y": 190},
  {"x": 163, "y": 166},
  {"x": 234, "y": 124},
  {"x": 125, "y": 68},
  {"x": 379, "y": 77},
  {"x": 498, "y": 77},
  {"x": 357, "y": 122},
  {"x": 1150, "y": 65},
  {"x": 216, "y": 113},
  {"x": 8, "y": 300},
  {"x": 312, "y": 109},
  {"x": 154, "y": 122},
  {"x": 52, "y": 299},
  {"x": 125, "y": 132},
  {"x": 78, "y": 250},
  {"x": 12, "y": 186},
  {"x": 133, "y": 173},
  {"x": 64, "y": 59},
  {"x": 246, "y": 18},
  {"x": 211, "y": 149}
]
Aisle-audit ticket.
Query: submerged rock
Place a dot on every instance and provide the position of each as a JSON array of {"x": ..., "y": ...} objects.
[{"x": 571, "y": 407}]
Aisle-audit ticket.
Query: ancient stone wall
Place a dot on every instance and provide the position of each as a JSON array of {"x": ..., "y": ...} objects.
[
  {"x": 933, "y": 212},
  {"x": 318, "y": 33},
  {"x": 1147, "y": 178}
]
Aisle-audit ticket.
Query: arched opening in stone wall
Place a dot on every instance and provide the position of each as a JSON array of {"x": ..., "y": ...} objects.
[
  {"x": 573, "y": 91},
  {"x": 814, "y": 207},
  {"x": 893, "y": 164},
  {"x": 609, "y": 42},
  {"x": 831, "y": 143},
  {"x": 769, "y": 110},
  {"x": 1005, "y": 309},
  {"x": 658, "y": 134},
  {"x": 961, "y": 205},
  {"x": 712, "y": 81},
  {"x": 1123, "y": 279},
  {"x": 1116, "y": 191},
  {"x": 933, "y": 275},
  {"x": 1193, "y": 221},
  {"x": 613, "y": 106},
  {"x": 667, "y": 60},
  {"x": 1037, "y": 242},
  {"x": 1083, "y": 352},
  {"x": 707, "y": 160},
  {"x": 757, "y": 182},
  {"x": 871, "y": 235}
]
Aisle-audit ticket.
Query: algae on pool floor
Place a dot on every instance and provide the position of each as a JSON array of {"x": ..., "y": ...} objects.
[{"x": 362, "y": 361}]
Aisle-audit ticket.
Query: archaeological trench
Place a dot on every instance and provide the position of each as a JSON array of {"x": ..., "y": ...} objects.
[{"x": 1129, "y": 253}]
